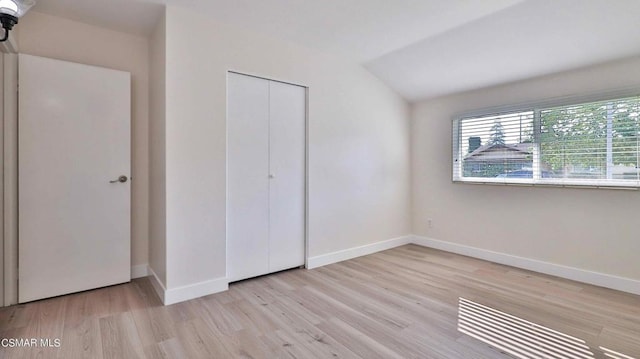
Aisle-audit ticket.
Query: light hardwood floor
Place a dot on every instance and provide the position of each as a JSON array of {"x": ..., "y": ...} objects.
[{"x": 401, "y": 303}]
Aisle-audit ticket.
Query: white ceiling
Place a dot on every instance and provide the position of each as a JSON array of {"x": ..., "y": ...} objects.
[
  {"x": 130, "y": 16},
  {"x": 533, "y": 38},
  {"x": 421, "y": 48}
]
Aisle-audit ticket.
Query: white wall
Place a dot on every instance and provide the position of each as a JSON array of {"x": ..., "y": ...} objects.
[
  {"x": 157, "y": 169},
  {"x": 58, "y": 38},
  {"x": 590, "y": 229},
  {"x": 358, "y": 144}
]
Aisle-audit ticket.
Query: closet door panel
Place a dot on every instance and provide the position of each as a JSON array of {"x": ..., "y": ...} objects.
[
  {"x": 287, "y": 116},
  {"x": 247, "y": 176}
]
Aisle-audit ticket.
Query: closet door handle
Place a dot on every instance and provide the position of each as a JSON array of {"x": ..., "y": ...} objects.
[
  {"x": 121, "y": 179},
  {"x": 272, "y": 176}
]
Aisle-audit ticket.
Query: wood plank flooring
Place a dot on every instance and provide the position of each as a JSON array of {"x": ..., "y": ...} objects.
[{"x": 401, "y": 303}]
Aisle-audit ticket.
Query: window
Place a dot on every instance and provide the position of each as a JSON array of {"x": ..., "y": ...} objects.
[{"x": 591, "y": 144}]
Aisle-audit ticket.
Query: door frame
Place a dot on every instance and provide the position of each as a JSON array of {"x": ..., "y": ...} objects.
[
  {"x": 9, "y": 176},
  {"x": 306, "y": 162},
  {"x": 9, "y": 161}
]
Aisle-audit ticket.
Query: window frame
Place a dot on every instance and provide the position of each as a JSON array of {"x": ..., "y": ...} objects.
[{"x": 536, "y": 106}]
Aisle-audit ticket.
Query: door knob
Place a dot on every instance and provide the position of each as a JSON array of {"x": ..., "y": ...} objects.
[
  {"x": 272, "y": 176},
  {"x": 121, "y": 179}
]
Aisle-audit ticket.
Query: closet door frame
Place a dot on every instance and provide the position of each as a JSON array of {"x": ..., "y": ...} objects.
[{"x": 306, "y": 161}]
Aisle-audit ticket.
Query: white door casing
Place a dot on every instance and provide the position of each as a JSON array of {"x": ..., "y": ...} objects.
[{"x": 73, "y": 140}]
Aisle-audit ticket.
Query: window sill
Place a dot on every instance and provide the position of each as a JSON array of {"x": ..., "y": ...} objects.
[{"x": 624, "y": 185}]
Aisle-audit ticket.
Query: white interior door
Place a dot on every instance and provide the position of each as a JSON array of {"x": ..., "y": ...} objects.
[
  {"x": 247, "y": 177},
  {"x": 266, "y": 139},
  {"x": 74, "y": 142},
  {"x": 287, "y": 117}
]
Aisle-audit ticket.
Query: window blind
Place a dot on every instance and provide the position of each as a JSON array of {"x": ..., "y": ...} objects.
[{"x": 590, "y": 144}]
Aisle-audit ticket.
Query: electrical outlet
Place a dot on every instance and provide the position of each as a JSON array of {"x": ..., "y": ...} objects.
[{"x": 430, "y": 222}]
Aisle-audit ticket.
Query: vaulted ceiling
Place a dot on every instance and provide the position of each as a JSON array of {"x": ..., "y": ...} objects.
[{"x": 420, "y": 48}]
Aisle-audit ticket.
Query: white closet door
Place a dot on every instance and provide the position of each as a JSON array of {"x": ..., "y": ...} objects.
[
  {"x": 266, "y": 124},
  {"x": 247, "y": 176},
  {"x": 287, "y": 116}
]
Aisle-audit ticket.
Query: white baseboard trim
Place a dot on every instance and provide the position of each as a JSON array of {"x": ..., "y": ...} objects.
[
  {"x": 196, "y": 290},
  {"x": 581, "y": 275},
  {"x": 157, "y": 284},
  {"x": 345, "y": 254},
  {"x": 139, "y": 271},
  {"x": 187, "y": 292}
]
